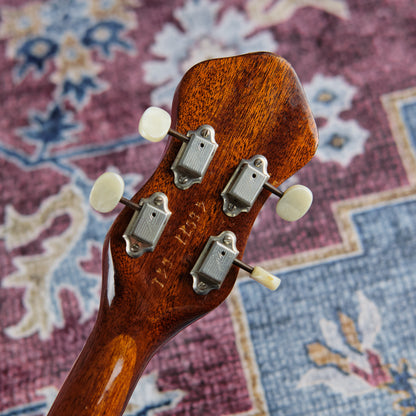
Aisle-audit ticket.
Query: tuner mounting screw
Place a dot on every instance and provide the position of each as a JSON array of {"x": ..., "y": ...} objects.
[
  {"x": 231, "y": 207},
  {"x": 158, "y": 200},
  {"x": 205, "y": 133},
  {"x": 134, "y": 248},
  {"x": 258, "y": 163},
  {"x": 202, "y": 285},
  {"x": 227, "y": 240},
  {"x": 183, "y": 179}
]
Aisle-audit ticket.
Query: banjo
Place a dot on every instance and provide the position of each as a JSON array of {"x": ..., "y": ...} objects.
[{"x": 240, "y": 126}]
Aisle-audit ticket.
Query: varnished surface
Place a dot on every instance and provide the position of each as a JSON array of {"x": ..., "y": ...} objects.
[{"x": 256, "y": 106}]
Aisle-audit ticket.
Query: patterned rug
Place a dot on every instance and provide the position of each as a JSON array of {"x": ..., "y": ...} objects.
[{"x": 338, "y": 337}]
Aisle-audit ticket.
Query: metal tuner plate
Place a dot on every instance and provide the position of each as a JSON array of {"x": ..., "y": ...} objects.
[
  {"x": 147, "y": 225},
  {"x": 214, "y": 262},
  {"x": 194, "y": 157},
  {"x": 245, "y": 185}
]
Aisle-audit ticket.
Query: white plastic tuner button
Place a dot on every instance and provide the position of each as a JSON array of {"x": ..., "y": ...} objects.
[
  {"x": 265, "y": 278},
  {"x": 154, "y": 124},
  {"x": 294, "y": 203},
  {"x": 107, "y": 192}
]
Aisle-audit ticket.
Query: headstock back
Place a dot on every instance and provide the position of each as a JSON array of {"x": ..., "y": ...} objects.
[{"x": 256, "y": 106}]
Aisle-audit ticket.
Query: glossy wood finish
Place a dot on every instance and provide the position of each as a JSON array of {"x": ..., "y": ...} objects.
[{"x": 256, "y": 106}]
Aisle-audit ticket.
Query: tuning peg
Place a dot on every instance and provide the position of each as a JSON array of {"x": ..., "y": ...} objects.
[
  {"x": 216, "y": 260},
  {"x": 294, "y": 203},
  {"x": 154, "y": 125},
  {"x": 107, "y": 192},
  {"x": 197, "y": 150},
  {"x": 259, "y": 275},
  {"x": 247, "y": 182}
]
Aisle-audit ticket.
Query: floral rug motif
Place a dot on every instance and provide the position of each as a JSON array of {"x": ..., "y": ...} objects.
[{"x": 338, "y": 337}]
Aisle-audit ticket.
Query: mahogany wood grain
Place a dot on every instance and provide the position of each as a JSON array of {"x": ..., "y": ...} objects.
[{"x": 256, "y": 106}]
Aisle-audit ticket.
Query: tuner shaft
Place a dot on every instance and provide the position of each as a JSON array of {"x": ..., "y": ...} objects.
[
  {"x": 180, "y": 136},
  {"x": 241, "y": 265}
]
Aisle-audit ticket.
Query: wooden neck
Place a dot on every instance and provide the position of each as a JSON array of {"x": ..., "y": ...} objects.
[
  {"x": 105, "y": 374},
  {"x": 126, "y": 335},
  {"x": 115, "y": 355},
  {"x": 256, "y": 106}
]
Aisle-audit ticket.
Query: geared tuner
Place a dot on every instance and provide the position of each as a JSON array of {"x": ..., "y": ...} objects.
[
  {"x": 150, "y": 214},
  {"x": 197, "y": 150},
  {"x": 250, "y": 178},
  {"x": 147, "y": 225},
  {"x": 215, "y": 261}
]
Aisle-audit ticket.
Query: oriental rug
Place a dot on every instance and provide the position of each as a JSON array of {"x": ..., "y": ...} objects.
[{"x": 339, "y": 336}]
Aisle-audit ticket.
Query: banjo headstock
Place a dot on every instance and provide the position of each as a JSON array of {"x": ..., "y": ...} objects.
[{"x": 244, "y": 127}]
